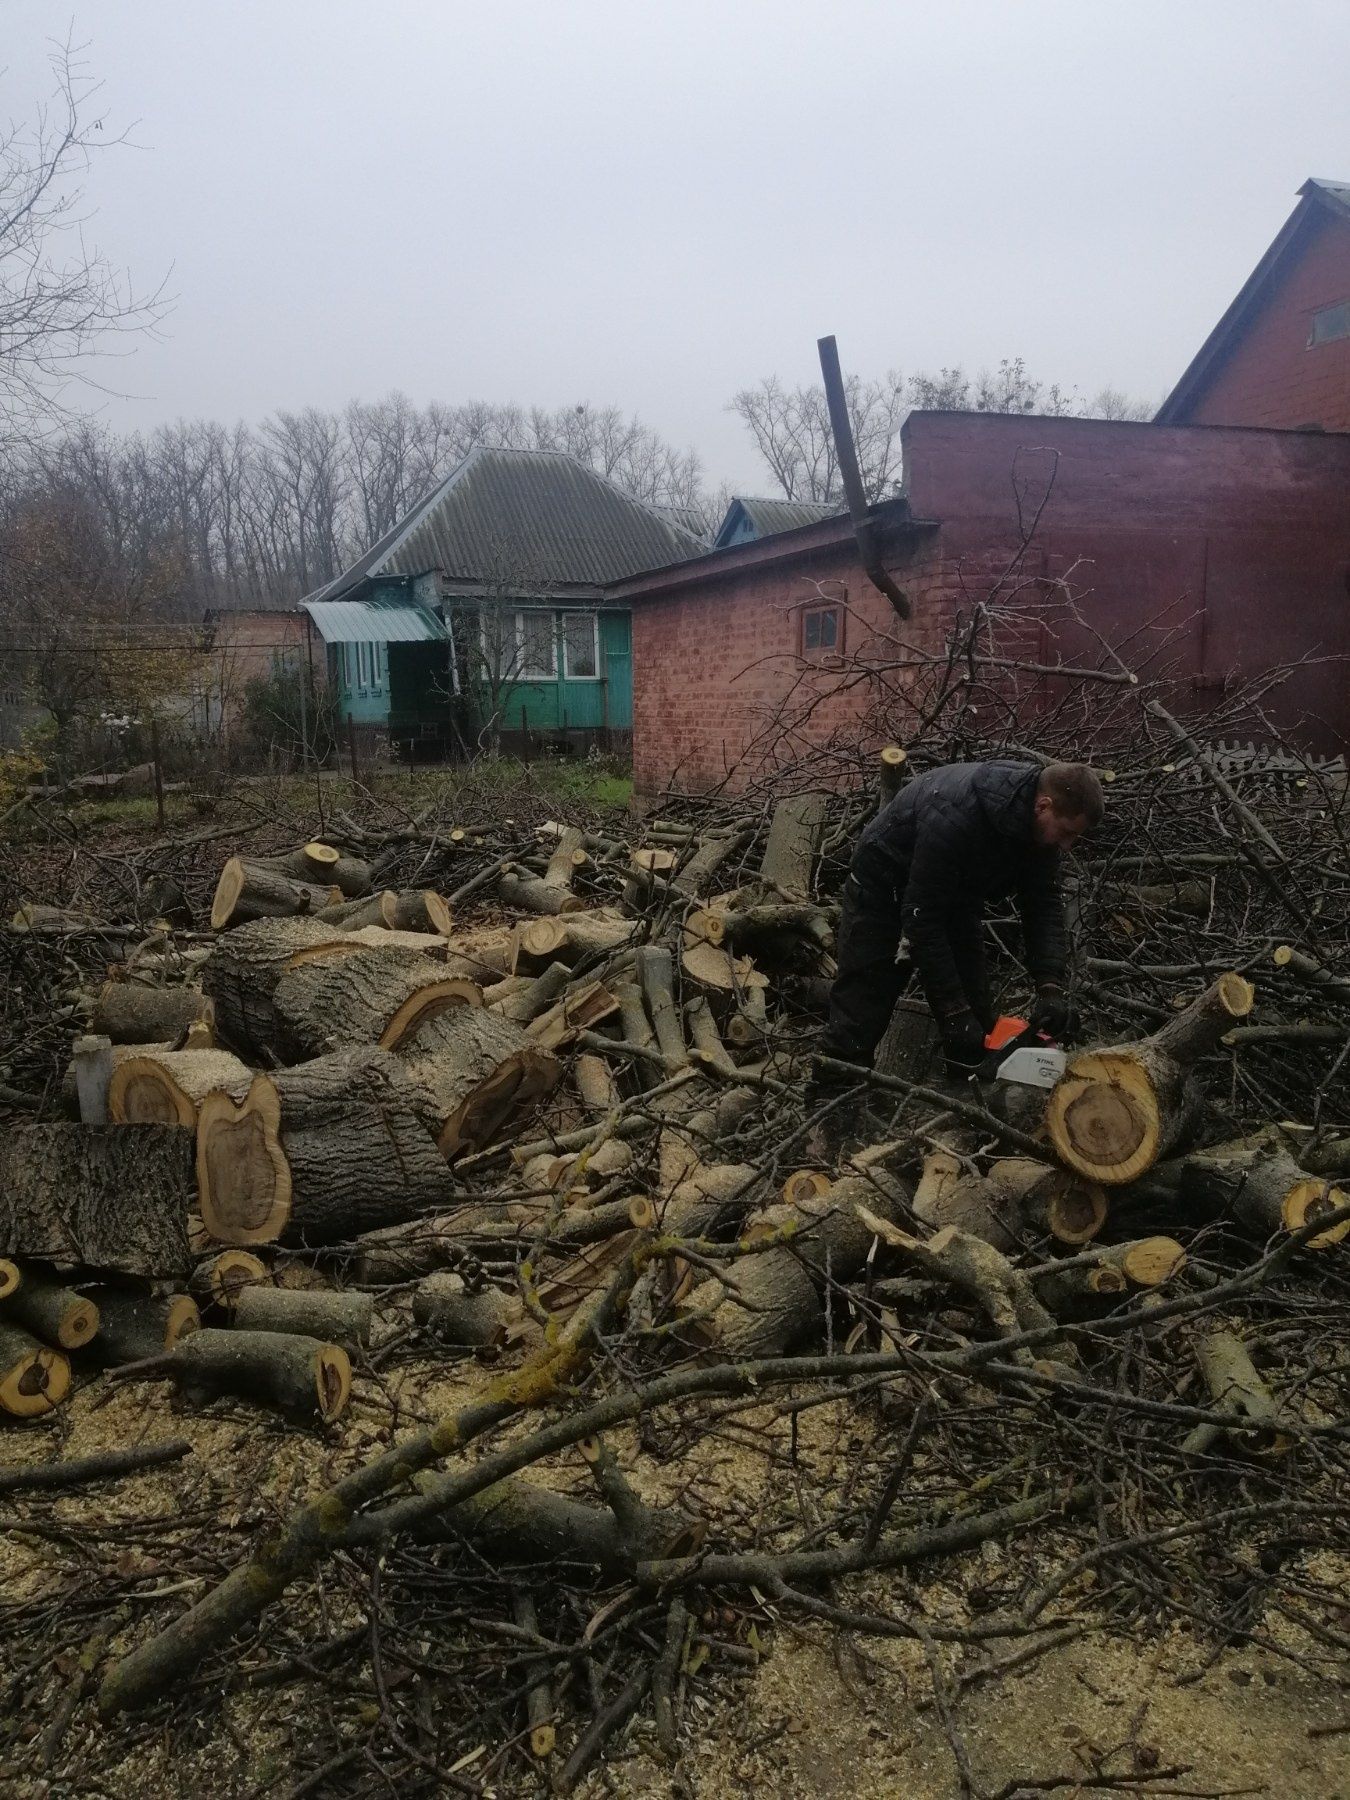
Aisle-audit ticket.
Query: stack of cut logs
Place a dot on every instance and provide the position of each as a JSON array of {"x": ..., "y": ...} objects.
[{"x": 301, "y": 1126}]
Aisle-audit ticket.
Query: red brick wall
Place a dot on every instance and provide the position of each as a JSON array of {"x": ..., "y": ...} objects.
[
  {"x": 243, "y": 647},
  {"x": 1219, "y": 553},
  {"x": 1273, "y": 376}
]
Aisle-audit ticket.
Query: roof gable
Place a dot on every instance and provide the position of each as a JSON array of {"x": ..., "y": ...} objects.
[
  {"x": 749, "y": 517},
  {"x": 1318, "y": 200},
  {"x": 530, "y": 519}
]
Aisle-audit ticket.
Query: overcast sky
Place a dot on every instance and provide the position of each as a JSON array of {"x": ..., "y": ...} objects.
[{"x": 654, "y": 204}]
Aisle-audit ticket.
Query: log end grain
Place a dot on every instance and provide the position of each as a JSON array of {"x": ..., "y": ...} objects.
[
  {"x": 1309, "y": 1200},
  {"x": 243, "y": 1177},
  {"x": 33, "y": 1377}
]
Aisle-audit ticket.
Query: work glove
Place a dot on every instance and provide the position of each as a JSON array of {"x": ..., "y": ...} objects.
[
  {"x": 962, "y": 1043},
  {"x": 1054, "y": 1014}
]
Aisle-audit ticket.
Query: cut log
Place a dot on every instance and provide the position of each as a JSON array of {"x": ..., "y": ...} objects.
[
  {"x": 527, "y": 893},
  {"x": 322, "y": 865},
  {"x": 1051, "y": 1200},
  {"x": 115, "y": 1198},
  {"x": 53, "y": 1312},
  {"x": 478, "y": 1070},
  {"x": 522, "y": 998},
  {"x": 699, "y": 873},
  {"x": 891, "y": 771},
  {"x": 1260, "y": 1423},
  {"x": 421, "y": 909},
  {"x": 308, "y": 1380},
  {"x": 10, "y": 1277},
  {"x": 749, "y": 1024},
  {"x": 334, "y": 1317},
  {"x": 595, "y": 1084},
  {"x": 372, "y": 997},
  {"x": 1260, "y": 1184},
  {"x": 248, "y": 890},
  {"x": 568, "y": 856},
  {"x": 219, "y": 1280},
  {"x": 133, "y": 1324},
  {"x": 794, "y": 842},
  {"x": 366, "y": 910},
  {"x": 34, "y": 1378},
  {"x": 318, "y": 1153},
  {"x": 948, "y": 1194},
  {"x": 566, "y": 939},
  {"x": 707, "y": 962},
  {"x": 244, "y": 967},
  {"x": 481, "y": 957},
  {"x": 582, "y": 1007},
  {"x": 1114, "y": 1269},
  {"x": 772, "y": 927},
  {"x": 405, "y": 1252},
  {"x": 445, "y": 1308},
  {"x": 90, "y": 1074},
  {"x": 656, "y": 977},
  {"x": 1114, "y": 1112},
  {"x": 775, "y": 1299},
  {"x": 30, "y": 916},
  {"x": 167, "y": 1087},
  {"x": 709, "y": 1197},
  {"x": 129, "y": 1012}
]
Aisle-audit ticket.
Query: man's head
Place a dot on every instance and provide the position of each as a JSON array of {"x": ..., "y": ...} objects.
[{"x": 1069, "y": 801}]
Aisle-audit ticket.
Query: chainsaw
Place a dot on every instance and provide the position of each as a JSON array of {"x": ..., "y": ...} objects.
[{"x": 1014, "y": 1051}]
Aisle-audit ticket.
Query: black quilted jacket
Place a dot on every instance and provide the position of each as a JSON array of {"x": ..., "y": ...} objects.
[{"x": 950, "y": 841}]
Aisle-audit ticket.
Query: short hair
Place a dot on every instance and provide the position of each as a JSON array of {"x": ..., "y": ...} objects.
[{"x": 1074, "y": 791}]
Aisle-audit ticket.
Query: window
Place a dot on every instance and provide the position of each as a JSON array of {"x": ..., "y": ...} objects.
[
  {"x": 1330, "y": 323},
  {"x": 362, "y": 666},
  {"x": 536, "y": 642},
  {"x": 581, "y": 646},
  {"x": 822, "y": 631},
  {"x": 348, "y": 665}
]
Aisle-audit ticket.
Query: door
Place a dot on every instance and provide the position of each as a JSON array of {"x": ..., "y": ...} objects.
[{"x": 616, "y": 649}]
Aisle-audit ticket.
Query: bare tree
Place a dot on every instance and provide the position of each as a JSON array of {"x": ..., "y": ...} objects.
[{"x": 62, "y": 300}]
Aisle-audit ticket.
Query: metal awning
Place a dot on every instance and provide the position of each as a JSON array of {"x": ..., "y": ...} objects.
[{"x": 375, "y": 622}]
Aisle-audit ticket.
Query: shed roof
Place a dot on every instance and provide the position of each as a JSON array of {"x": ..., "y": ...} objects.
[
  {"x": 766, "y": 517},
  {"x": 1318, "y": 200},
  {"x": 375, "y": 621},
  {"x": 532, "y": 518}
]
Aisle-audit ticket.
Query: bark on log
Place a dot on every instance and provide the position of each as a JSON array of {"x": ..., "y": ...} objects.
[
  {"x": 582, "y": 1007},
  {"x": 167, "y": 1087},
  {"x": 377, "y": 910},
  {"x": 323, "y": 865},
  {"x": 527, "y": 893},
  {"x": 698, "y": 875},
  {"x": 948, "y": 1194},
  {"x": 308, "y": 1380},
  {"x": 219, "y": 1280},
  {"x": 478, "y": 1070},
  {"x": 33, "y": 1377},
  {"x": 444, "y": 1308},
  {"x": 481, "y": 957},
  {"x": 318, "y": 1153},
  {"x": 1050, "y": 1200},
  {"x": 656, "y": 978},
  {"x": 405, "y": 1252},
  {"x": 794, "y": 842},
  {"x": 116, "y": 1197},
  {"x": 421, "y": 909},
  {"x": 595, "y": 1084},
  {"x": 1116, "y": 1111},
  {"x": 777, "y": 1292},
  {"x": 53, "y": 1312},
  {"x": 522, "y": 998},
  {"x": 1259, "y": 1182},
  {"x": 244, "y": 967},
  {"x": 703, "y": 1034},
  {"x": 1112, "y": 1270},
  {"x": 250, "y": 891},
  {"x": 134, "y": 1324},
  {"x": 566, "y": 939},
  {"x": 129, "y": 1012},
  {"x": 370, "y": 997},
  {"x": 333, "y": 1316},
  {"x": 568, "y": 856},
  {"x": 1235, "y": 1387}
]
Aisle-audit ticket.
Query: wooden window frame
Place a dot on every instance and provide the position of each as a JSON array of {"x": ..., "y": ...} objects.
[
  {"x": 581, "y": 613},
  {"x": 821, "y": 653}
]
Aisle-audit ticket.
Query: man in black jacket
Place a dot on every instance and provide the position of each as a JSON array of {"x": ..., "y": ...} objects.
[{"x": 925, "y": 867}]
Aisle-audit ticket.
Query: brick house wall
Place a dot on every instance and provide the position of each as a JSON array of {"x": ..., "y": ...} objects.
[
  {"x": 1218, "y": 554},
  {"x": 1273, "y": 375},
  {"x": 245, "y": 646}
]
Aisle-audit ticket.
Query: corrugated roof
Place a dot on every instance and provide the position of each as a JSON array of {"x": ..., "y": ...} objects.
[
  {"x": 522, "y": 519},
  {"x": 1316, "y": 199},
  {"x": 767, "y": 517},
  {"x": 376, "y": 621}
]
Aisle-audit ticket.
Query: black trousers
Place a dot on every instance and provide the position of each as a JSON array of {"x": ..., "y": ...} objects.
[{"x": 870, "y": 979}]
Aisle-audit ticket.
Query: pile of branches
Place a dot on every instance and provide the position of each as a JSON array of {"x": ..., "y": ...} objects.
[{"x": 538, "y": 1117}]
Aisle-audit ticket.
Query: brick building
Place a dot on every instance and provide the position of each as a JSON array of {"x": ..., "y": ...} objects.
[
  {"x": 1212, "y": 543},
  {"x": 1280, "y": 355}
]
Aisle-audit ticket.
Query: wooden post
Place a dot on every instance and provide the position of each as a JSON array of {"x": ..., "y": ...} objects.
[
  {"x": 158, "y": 772},
  {"x": 351, "y": 746}
]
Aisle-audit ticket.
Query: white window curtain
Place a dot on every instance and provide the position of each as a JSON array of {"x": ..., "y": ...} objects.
[
  {"x": 536, "y": 639},
  {"x": 581, "y": 645}
]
